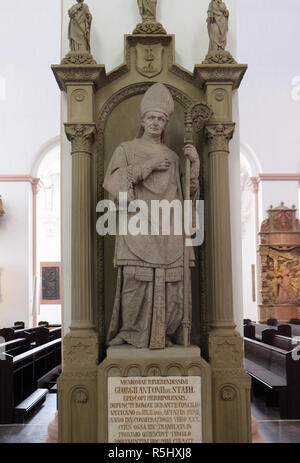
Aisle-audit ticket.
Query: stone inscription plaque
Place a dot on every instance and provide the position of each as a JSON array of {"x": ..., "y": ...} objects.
[{"x": 154, "y": 409}]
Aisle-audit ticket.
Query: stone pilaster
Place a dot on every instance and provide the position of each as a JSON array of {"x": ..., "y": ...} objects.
[
  {"x": 230, "y": 383},
  {"x": 77, "y": 385},
  {"x": 81, "y": 137},
  {"x": 218, "y": 136}
]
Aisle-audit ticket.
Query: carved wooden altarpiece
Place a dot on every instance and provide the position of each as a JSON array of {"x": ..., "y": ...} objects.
[{"x": 279, "y": 253}]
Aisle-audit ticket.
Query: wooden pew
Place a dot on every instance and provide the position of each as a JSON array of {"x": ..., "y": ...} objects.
[
  {"x": 249, "y": 331},
  {"x": 9, "y": 334},
  {"x": 19, "y": 377},
  {"x": 277, "y": 370},
  {"x": 284, "y": 342},
  {"x": 19, "y": 325},
  {"x": 273, "y": 338},
  {"x": 44, "y": 335},
  {"x": 15, "y": 347}
]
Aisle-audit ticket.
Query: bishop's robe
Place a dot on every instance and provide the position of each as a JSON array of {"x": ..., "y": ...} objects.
[{"x": 148, "y": 307}]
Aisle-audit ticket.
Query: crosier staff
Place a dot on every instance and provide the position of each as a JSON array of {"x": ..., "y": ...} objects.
[{"x": 198, "y": 113}]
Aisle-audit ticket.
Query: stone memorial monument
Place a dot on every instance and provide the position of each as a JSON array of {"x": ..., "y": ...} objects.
[
  {"x": 152, "y": 354},
  {"x": 279, "y": 257}
]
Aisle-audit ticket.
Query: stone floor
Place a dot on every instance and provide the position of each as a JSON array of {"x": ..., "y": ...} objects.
[
  {"x": 36, "y": 428},
  {"x": 271, "y": 428}
]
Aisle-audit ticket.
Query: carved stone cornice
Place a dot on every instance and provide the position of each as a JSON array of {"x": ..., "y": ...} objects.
[
  {"x": 78, "y": 58},
  {"x": 149, "y": 28},
  {"x": 81, "y": 136},
  {"x": 219, "y": 57},
  {"x": 88, "y": 73},
  {"x": 229, "y": 73},
  {"x": 218, "y": 136}
]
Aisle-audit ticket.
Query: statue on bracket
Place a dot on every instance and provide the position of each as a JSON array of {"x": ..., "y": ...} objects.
[
  {"x": 147, "y": 9},
  {"x": 217, "y": 26},
  {"x": 79, "y": 35},
  {"x": 80, "y": 27},
  {"x": 149, "y": 303}
]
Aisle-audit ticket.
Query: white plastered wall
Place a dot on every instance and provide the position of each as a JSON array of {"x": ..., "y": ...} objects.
[
  {"x": 15, "y": 252},
  {"x": 268, "y": 40},
  {"x": 29, "y": 120}
]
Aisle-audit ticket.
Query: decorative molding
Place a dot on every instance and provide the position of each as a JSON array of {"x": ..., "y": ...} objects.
[
  {"x": 218, "y": 136},
  {"x": 67, "y": 73},
  {"x": 35, "y": 182},
  {"x": 279, "y": 177},
  {"x": 219, "y": 57},
  {"x": 78, "y": 58},
  {"x": 149, "y": 28},
  {"x": 226, "y": 352},
  {"x": 81, "y": 136},
  {"x": 230, "y": 73}
]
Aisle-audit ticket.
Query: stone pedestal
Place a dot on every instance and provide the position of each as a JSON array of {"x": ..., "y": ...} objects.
[{"x": 162, "y": 396}]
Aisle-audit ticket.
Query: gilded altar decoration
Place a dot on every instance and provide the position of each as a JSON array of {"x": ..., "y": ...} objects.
[
  {"x": 2, "y": 211},
  {"x": 280, "y": 264}
]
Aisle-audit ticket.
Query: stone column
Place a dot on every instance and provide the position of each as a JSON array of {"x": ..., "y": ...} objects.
[
  {"x": 77, "y": 385},
  {"x": 230, "y": 383},
  {"x": 35, "y": 183},
  {"x": 81, "y": 137},
  {"x": 218, "y": 136}
]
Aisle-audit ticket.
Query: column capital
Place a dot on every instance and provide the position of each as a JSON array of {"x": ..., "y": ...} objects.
[
  {"x": 219, "y": 135},
  {"x": 81, "y": 136},
  {"x": 254, "y": 184},
  {"x": 36, "y": 185}
]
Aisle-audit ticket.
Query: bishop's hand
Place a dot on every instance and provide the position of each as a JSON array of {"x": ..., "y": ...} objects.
[{"x": 161, "y": 164}]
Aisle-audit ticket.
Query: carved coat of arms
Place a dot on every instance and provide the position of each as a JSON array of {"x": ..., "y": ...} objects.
[{"x": 149, "y": 59}]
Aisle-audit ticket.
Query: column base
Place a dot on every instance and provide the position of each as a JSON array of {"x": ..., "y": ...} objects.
[
  {"x": 77, "y": 389},
  {"x": 231, "y": 387},
  {"x": 223, "y": 328},
  {"x": 82, "y": 328}
]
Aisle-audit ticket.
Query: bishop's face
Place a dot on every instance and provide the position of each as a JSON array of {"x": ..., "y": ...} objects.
[{"x": 154, "y": 123}]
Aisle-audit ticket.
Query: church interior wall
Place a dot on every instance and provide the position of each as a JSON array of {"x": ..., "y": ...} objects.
[
  {"x": 29, "y": 121},
  {"x": 16, "y": 249}
]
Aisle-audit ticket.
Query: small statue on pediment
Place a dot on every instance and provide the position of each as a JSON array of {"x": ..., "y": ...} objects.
[
  {"x": 79, "y": 35},
  {"x": 217, "y": 26},
  {"x": 149, "y": 24}
]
